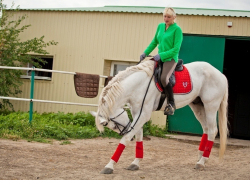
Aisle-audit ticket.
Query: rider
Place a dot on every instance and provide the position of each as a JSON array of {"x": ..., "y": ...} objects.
[{"x": 168, "y": 37}]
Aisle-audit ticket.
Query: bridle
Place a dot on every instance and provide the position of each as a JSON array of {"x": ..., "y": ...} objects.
[{"x": 125, "y": 128}]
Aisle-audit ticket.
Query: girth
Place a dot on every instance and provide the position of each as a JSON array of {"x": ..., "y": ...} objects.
[{"x": 157, "y": 76}]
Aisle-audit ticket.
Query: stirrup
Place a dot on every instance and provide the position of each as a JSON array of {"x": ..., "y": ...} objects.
[{"x": 169, "y": 110}]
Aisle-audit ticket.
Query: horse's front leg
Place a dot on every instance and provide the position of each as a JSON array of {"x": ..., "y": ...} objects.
[
  {"x": 138, "y": 151},
  {"x": 109, "y": 168}
]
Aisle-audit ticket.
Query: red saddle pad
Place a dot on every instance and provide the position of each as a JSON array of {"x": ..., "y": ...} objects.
[{"x": 183, "y": 83}]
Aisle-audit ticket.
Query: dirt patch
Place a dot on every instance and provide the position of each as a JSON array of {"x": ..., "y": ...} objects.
[{"x": 84, "y": 159}]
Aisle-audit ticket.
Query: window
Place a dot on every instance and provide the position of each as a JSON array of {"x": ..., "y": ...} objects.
[
  {"x": 119, "y": 66},
  {"x": 41, "y": 74}
]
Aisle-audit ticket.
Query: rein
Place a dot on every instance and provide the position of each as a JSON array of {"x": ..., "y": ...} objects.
[{"x": 125, "y": 128}]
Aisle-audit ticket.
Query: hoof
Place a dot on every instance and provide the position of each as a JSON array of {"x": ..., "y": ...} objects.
[
  {"x": 133, "y": 167},
  {"x": 199, "y": 167},
  {"x": 107, "y": 171}
]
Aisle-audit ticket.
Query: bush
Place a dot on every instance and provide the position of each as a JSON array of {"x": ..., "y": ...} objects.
[{"x": 59, "y": 126}]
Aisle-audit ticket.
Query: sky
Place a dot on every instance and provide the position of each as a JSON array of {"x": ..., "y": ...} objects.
[{"x": 208, "y": 4}]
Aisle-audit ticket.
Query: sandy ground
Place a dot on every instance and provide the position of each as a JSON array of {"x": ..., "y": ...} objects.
[{"x": 84, "y": 159}]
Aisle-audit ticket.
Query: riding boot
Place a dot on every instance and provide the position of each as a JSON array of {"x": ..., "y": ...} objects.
[{"x": 170, "y": 108}]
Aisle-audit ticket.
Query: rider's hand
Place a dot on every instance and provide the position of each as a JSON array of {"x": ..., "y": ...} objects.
[
  {"x": 157, "y": 57},
  {"x": 142, "y": 56}
]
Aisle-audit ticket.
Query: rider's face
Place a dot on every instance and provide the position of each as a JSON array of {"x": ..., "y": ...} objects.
[{"x": 168, "y": 19}]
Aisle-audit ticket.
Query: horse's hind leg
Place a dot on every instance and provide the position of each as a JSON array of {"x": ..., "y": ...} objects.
[
  {"x": 211, "y": 133},
  {"x": 199, "y": 112},
  {"x": 211, "y": 126},
  {"x": 138, "y": 151}
]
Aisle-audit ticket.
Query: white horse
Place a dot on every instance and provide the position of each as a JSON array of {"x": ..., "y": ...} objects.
[{"x": 209, "y": 96}]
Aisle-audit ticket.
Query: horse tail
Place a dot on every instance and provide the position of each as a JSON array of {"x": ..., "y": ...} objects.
[{"x": 223, "y": 123}]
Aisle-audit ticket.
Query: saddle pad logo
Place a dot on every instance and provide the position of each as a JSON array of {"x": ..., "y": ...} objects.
[{"x": 183, "y": 83}]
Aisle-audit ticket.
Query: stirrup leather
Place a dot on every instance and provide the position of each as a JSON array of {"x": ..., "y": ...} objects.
[{"x": 169, "y": 110}]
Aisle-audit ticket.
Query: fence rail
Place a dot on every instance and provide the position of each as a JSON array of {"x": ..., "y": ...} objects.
[
  {"x": 44, "y": 70},
  {"x": 46, "y": 101},
  {"x": 31, "y": 100}
]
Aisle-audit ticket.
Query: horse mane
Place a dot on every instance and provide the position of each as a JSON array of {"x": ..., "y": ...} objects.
[{"x": 113, "y": 90}]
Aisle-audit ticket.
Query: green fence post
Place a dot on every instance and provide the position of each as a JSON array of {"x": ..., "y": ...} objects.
[{"x": 31, "y": 94}]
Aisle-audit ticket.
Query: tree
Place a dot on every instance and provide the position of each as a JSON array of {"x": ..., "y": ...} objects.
[{"x": 14, "y": 52}]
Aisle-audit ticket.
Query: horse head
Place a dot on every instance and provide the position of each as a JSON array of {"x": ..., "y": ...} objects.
[
  {"x": 118, "y": 121},
  {"x": 113, "y": 98}
]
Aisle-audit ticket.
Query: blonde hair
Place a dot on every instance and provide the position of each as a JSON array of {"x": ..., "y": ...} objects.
[{"x": 170, "y": 11}]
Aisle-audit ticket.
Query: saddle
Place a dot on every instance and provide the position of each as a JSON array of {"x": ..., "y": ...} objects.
[{"x": 158, "y": 71}]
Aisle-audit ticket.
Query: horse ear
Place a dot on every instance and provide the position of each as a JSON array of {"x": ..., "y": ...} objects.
[
  {"x": 102, "y": 121},
  {"x": 93, "y": 113},
  {"x": 98, "y": 121}
]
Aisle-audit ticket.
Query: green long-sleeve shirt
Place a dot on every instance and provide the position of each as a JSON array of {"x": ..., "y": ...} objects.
[{"x": 169, "y": 42}]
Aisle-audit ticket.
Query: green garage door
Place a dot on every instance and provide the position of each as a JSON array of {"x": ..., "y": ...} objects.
[{"x": 196, "y": 48}]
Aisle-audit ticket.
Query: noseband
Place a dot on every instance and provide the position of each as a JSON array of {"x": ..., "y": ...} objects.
[{"x": 125, "y": 128}]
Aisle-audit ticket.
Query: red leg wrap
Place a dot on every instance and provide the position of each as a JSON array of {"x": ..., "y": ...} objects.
[
  {"x": 118, "y": 152},
  {"x": 208, "y": 148},
  {"x": 203, "y": 142},
  {"x": 139, "y": 150}
]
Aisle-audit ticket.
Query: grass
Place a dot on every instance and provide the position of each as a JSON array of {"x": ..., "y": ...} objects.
[
  {"x": 59, "y": 126},
  {"x": 65, "y": 142}
]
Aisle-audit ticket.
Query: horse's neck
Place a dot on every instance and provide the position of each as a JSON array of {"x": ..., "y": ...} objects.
[{"x": 134, "y": 88}]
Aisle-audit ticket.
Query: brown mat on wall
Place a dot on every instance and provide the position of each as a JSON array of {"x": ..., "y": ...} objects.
[{"x": 86, "y": 85}]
